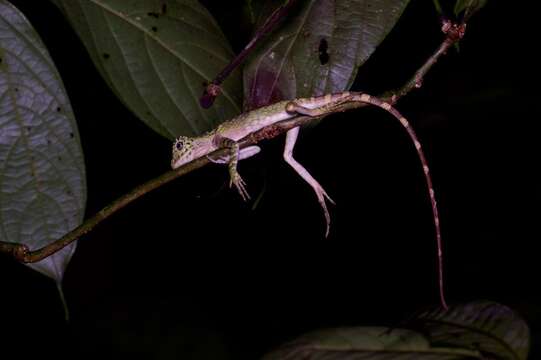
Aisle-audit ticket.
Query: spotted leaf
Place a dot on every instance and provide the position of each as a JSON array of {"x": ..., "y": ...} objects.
[{"x": 42, "y": 174}]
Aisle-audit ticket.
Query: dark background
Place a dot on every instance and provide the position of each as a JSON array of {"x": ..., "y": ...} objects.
[{"x": 192, "y": 271}]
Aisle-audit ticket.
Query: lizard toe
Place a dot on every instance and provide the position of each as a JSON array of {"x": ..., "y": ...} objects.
[
  {"x": 328, "y": 197},
  {"x": 321, "y": 195},
  {"x": 241, "y": 187}
]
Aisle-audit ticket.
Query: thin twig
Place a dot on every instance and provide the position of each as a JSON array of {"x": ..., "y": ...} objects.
[
  {"x": 454, "y": 32},
  {"x": 21, "y": 252},
  {"x": 212, "y": 90}
]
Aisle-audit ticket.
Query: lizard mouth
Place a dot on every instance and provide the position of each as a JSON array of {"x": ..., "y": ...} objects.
[{"x": 178, "y": 160}]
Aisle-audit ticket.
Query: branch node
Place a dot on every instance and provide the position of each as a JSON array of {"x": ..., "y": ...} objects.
[
  {"x": 21, "y": 252},
  {"x": 454, "y": 31},
  {"x": 209, "y": 95}
]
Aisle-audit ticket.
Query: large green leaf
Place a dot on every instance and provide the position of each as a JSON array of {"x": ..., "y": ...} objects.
[
  {"x": 42, "y": 175},
  {"x": 374, "y": 343},
  {"x": 156, "y": 56},
  {"x": 318, "y": 49},
  {"x": 485, "y": 326},
  {"x": 468, "y": 7}
]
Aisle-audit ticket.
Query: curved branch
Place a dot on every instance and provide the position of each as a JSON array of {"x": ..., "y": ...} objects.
[{"x": 454, "y": 32}]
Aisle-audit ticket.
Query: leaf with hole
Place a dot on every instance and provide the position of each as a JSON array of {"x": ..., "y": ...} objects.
[
  {"x": 157, "y": 56},
  {"x": 42, "y": 173},
  {"x": 318, "y": 48}
]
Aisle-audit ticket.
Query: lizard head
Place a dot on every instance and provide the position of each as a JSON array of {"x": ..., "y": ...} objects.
[
  {"x": 183, "y": 151},
  {"x": 186, "y": 149}
]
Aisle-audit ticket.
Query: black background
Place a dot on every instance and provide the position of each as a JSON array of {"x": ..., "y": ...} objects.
[{"x": 191, "y": 271}]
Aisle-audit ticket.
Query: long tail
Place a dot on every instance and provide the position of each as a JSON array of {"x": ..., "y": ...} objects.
[{"x": 365, "y": 98}]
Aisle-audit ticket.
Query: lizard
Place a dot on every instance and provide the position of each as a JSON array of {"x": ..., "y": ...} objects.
[{"x": 227, "y": 135}]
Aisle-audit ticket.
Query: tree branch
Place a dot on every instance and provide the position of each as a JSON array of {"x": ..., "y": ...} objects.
[{"x": 454, "y": 32}]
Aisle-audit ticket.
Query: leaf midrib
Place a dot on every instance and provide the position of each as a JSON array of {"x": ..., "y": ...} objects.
[
  {"x": 17, "y": 116},
  {"x": 46, "y": 88}
]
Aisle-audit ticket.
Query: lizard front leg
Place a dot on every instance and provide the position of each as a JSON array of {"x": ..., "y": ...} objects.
[
  {"x": 291, "y": 139},
  {"x": 245, "y": 153},
  {"x": 235, "y": 178}
]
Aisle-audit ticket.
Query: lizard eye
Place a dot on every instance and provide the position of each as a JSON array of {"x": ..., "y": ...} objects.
[{"x": 179, "y": 145}]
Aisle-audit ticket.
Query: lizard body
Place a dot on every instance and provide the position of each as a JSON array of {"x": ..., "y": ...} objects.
[
  {"x": 226, "y": 135},
  {"x": 186, "y": 149}
]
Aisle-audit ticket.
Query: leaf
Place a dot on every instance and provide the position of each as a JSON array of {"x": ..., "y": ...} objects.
[
  {"x": 469, "y": 7},
  {"x": 318, "y": 49},
  {"x": 438, "y": 7},
  {"x": 42, "y": 174},
  {"x": 260, "y": 10},
  {"x": 249, "y": 11},
  {"x": 157, "y": 61},
  {"x": 365, "y": 343},
  {"x": 485, "y": 326}
]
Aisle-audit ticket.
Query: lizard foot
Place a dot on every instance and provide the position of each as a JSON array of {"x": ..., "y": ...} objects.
[
  {"x": 240, "y": 185},
  {"x": 321, "y": 196},
  {"x": 291, "y": 138}
]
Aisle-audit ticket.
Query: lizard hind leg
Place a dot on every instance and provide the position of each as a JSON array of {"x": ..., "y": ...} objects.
[
  {"x": 291, "y": 138},
  {"x": 294, "y": 107}
]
